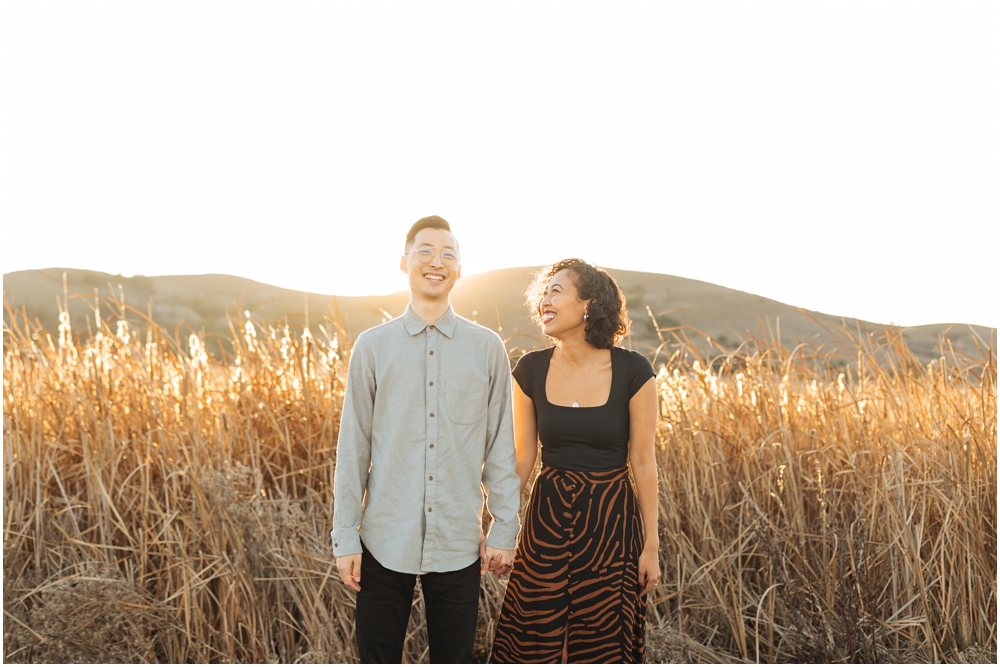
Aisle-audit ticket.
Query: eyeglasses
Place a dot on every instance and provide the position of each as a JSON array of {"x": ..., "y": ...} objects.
[{"x": 426, "y": 253}]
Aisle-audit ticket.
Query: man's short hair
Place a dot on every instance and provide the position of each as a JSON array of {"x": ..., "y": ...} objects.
[{"x": 431, "y": 222}]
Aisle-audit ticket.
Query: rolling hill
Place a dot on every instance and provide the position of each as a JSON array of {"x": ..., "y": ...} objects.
[{"x": 205, "y": 303}]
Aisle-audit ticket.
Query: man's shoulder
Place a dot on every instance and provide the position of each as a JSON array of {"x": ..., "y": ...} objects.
[
  {"x": 476, "y": 330},
  {"x": 380, "y": 332}
]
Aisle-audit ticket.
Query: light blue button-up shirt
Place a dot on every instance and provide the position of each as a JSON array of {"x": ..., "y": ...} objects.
[{"x": 426, "y": 429}]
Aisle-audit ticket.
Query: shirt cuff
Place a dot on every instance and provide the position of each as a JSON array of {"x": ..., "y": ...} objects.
[
  {"x": 502, "y": 535},
  {"x": 346, "y": 541}
]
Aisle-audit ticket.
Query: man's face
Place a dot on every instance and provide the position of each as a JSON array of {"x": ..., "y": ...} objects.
[{"x": 432, "y": 263}]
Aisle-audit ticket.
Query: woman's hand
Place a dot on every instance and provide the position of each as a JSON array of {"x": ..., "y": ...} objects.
[
  {"x": 497, "y": 561},
  {"x": 649, "y": 569}
]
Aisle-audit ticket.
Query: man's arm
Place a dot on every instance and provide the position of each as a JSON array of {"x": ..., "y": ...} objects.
[
  {"x": 353, "y": 459},
  {"x": 499, "y": 469}
]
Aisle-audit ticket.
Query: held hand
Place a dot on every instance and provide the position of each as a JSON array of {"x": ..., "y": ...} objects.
[
  {"x": 497, "y": 561},
  {"x": 649, "y": 570},
  {"x": 350, "y": 570},
  {"x": 504, "y": 563}
]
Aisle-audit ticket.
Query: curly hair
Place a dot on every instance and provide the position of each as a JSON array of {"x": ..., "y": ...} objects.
[{"x": 607, "y": 316}]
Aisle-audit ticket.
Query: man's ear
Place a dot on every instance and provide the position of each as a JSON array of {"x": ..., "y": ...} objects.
[
  {"x": 402, "y": 265},
  {"x": 458, "y": 272}
]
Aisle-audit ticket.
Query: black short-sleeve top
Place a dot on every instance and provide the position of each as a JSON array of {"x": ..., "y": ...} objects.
[{"x": 592, "y": 439}]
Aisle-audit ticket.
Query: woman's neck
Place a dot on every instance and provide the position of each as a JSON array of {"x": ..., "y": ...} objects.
[{"x": 575, "y": 350}]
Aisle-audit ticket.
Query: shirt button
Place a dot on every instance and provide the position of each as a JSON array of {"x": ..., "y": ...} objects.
[
  {"x": 432, "y": 414},
  {"x": 431, "y": 327},
  {"x": 335, "y": 544},
  {"x": 432, "y": 384},
  {"x": 432, "y": 445},
  {"x": 432, "y": 353},
  {"x": 431, "y": 477},
  {"x": 429, "y": 509}
]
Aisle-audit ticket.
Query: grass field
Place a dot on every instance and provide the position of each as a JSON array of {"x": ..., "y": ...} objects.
[{"x": 161, "y": 505}]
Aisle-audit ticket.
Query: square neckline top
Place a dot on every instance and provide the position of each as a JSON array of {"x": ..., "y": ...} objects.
[
  {"x": 593, "y": 438},
  {"x": 545, "y": 393}
]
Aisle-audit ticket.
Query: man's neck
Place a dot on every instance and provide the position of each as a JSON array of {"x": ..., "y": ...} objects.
[{"x": 429, "y": 311}]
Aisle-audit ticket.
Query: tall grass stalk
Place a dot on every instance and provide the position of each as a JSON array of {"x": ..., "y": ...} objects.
[
  {"x": 164, "y": 505},
  {"x": 813, "y": 510}
]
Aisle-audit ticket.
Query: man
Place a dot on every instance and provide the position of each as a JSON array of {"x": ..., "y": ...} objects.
[{"x": 426, "y": 425}]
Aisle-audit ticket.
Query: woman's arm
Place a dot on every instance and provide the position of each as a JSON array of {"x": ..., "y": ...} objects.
[
  {"x": 525, "y": 435},
  {"x": 643, "y": 410}
]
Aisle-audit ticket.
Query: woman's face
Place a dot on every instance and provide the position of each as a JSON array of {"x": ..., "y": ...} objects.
[{"x": 561, "y": 308}]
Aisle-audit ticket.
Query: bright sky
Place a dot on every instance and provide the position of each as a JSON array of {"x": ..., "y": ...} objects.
[{"x": 843, "y": 157}]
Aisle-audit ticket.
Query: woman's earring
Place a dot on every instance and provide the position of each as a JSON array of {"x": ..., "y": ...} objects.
[{"x": 586, "y": 316}]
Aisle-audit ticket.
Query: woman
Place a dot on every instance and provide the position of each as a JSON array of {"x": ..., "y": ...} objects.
[{"x": 586, "y": 558}]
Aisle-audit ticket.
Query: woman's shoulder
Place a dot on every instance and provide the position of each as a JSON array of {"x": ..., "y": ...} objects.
[
  {"x": 528, "y": 370},
  {"x": 530, "y": 360},
  {"x": 639, "y": 368},
  {"x": 631, "y": 356},
  {"x": 534, "y": 356}
]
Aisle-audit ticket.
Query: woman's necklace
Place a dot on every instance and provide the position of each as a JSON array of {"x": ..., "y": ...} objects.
[{"x": 562, "y": 365}]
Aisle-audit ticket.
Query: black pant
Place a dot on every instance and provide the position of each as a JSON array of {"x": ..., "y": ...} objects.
[{"x": 451, "y": 600}]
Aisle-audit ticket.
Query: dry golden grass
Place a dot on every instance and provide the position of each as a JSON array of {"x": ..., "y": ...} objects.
[
  {"x": 816, "y": 514},
  {"x": 163, "y": 506}
]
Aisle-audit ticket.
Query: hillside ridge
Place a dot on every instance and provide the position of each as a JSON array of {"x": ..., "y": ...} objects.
[{"x": 206, "y": 302}]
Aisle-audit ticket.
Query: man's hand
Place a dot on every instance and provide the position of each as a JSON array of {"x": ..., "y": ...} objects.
[
  {"x": 497, "y": 561},
  {"x": 350, "y": 570}
]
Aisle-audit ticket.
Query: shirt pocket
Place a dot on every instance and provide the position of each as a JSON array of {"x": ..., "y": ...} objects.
[{"x": 466, "y": 399}]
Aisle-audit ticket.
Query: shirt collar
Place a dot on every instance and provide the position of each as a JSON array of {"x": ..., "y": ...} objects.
[{"x": 445, "y": 324}]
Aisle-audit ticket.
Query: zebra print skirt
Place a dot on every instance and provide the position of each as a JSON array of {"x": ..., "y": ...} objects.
[{"x": 575, "y": 576}]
